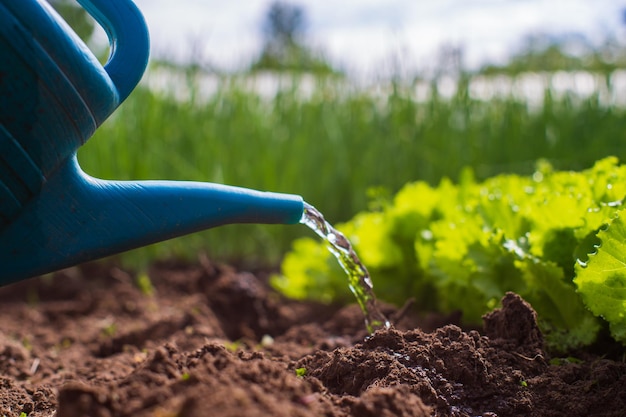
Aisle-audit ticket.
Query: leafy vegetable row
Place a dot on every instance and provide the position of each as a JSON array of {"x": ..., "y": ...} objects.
[{"x": 556, "y": 238}]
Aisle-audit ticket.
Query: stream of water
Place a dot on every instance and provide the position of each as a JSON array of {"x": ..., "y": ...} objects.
[{"x": 359, "y": 279}]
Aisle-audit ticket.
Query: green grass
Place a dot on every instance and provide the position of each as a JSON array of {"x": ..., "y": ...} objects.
[{"x": 334, "y": 145}]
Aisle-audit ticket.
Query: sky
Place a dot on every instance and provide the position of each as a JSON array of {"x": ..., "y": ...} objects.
[{"x": 369, "y": 36}]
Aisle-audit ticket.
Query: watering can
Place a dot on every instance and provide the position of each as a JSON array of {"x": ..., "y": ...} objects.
[{"x": 54, "y": 94}]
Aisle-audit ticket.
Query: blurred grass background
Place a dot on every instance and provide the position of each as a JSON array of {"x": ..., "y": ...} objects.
[
  {"x": 292, "y": 122},
  {"x": 339, "y": 143}
]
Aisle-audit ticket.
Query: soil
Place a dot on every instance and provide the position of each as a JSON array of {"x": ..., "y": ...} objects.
[{"x": 210, "y": 340}]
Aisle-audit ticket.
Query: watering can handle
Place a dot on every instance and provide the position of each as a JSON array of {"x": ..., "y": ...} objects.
[{"x": 128, "y": 37}]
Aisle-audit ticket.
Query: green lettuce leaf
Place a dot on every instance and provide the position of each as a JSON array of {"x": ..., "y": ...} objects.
[{"x": 601, "y": 281}]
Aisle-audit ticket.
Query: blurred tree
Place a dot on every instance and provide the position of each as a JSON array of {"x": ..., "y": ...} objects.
[
  {"x": 80, "y": 21},
  {"x": 284, "y": 48},
  {"x": 570, "y": 52},
  {"x": 284, "y": 24}
]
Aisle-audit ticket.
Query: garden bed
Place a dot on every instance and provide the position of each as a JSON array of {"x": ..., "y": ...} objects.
[{"x": 208, "y": 340}]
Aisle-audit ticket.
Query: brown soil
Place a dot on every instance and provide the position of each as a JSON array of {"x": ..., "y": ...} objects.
[{"x": 213, "y": 341}]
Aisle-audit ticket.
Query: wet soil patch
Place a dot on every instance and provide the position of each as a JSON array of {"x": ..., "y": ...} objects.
[{"x": 211, "y": 340}]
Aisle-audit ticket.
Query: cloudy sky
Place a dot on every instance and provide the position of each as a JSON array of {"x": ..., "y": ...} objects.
[{"x": 365, "y": 35}]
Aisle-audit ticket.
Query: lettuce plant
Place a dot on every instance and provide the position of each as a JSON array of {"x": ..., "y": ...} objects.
[{"x": 462, "y": 246}]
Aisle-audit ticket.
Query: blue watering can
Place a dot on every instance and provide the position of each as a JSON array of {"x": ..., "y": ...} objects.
[{"x": 53, "y": 96}]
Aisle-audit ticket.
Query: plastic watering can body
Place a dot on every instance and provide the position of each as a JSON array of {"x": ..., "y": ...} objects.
[{"x": 53, "y": 96}]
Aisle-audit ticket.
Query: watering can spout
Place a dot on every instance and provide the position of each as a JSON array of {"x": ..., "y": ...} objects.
[{"x": 77, "y": 218}]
